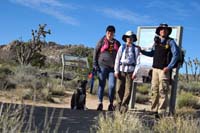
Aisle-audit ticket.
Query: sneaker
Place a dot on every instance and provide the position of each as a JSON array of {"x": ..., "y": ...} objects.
[
  {"x": 100, "y": 107},
  {"x": 117, "y": 107},
  {"x": 123, "y": 109},
  {"x": 111, "y": 107}
]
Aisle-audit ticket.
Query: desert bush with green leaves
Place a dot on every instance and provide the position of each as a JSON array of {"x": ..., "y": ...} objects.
[
  {"x": 192, "y": 86},
  {"x": 26, "y": 82},
  {"x": 141, "y": 98},
  {"x": 4, "y": 81},
  {"x": 144, "y": 89},
  {"x": 186, "y": 99}
]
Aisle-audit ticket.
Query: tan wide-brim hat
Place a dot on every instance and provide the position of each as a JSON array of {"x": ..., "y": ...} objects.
[
  {"x": 129, "y": 34},
  {"x": 163, "y": 26}
]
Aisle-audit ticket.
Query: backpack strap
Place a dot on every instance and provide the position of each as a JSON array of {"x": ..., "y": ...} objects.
[
  {"x": 134, "y": 53},
  {"x": 133, "y": 50},
  {"x": 168, "y": 40},
  {"x": 122, "y": 50}
]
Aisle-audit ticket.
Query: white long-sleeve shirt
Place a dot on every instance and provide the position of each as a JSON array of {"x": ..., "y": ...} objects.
[{"x": 127, "y": 57}]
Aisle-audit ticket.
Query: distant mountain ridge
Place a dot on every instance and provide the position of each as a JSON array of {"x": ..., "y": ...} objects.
[{"x": 51, "y": 50}]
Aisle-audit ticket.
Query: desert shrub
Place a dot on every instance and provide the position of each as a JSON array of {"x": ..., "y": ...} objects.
[
  {"x": 186, "y": 111},
  {"x": 27, "y": 83},
  {"x": 53, "y": 66},
  {"x": 177, "y": 125},
  {"x": 186, "y": 99},
  {"x": 40, "y": 83},
  {"x": 140, "y": 98},
  {"x": 6, "y": 63},
  {"x": 71, "y": 85},
  {"x": 27, "y": 93},
  {"x": 143, "y": 89},
  {"x": 46, "y": 88},
  {"x": 26, "y": 70},
  {"x": 120, "y": 123},
  {"x": 54, "y": 87},
  {"x": 4, "y": 81},
  {"x": 5, "y": 72},
  {"x": 193, "y": 87},
  {"x": 58, "y": 90},
  {"x": 24, "y": 74},
  {"x": 45, "y": 93},
  {"x": 38, "y": 60}
]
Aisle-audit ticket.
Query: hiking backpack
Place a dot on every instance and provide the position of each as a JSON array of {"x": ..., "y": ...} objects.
[{"x": 181, "y": 56}]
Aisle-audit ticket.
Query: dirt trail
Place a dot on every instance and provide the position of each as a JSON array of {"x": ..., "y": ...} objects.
[{"x": 91, "y": 102}]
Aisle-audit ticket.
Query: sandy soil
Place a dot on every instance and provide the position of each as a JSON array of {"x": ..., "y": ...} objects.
[{"x": 91, "y": 102}]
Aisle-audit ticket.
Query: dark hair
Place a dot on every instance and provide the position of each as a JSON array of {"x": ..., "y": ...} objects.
[{"x": 110, "y": 28}]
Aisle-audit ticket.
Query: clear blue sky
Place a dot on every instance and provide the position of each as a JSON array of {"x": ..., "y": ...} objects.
[{"x": 84, "y": 21}]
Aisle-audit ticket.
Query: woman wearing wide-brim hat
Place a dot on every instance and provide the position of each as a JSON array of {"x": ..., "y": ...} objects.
[{"x": 125, "y": 64}]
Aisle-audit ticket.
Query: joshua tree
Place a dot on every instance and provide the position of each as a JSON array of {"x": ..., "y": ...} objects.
[
  {"x": 196, "y": 62},
  {"x": 186, "y": 71},
  {"x": 27, "y": 50}
]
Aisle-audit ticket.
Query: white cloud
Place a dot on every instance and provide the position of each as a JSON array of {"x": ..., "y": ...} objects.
[
  {"x": 126, "y": 15},
  {"x": 38, "y": 3},
  {"x": 51, "y": 7}
]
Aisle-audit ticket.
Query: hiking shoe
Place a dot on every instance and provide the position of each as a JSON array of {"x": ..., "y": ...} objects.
[
  {"x": 117, "y": 107},
  {"x": 110, "y": 107},
  {"x": 100, "y": 107},
  {"x": 123, "y": 109}
]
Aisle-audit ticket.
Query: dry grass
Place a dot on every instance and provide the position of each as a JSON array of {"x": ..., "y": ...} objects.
[
  {"x": 144, "y": 89},
  {"x": 185, "y": 112},
  {"x": 177, "y": 125},
  {"x": 141, "y": 98},
  {"x": 11, "y": 118},
  {"x": 120, "y": 123},
  {"x": 186, "y": 99},
  {"x": 14, "y": 118},
  {"x": 131, "y": 123}
]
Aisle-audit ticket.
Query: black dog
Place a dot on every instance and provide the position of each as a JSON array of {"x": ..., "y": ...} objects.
[{"x": 78, "y": 99}]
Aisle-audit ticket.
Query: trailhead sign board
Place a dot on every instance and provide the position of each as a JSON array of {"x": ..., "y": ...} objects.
[{"x": 74, "y": 62}]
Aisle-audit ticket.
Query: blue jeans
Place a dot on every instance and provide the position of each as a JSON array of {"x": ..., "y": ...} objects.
[{"x": 103, "y": 74}]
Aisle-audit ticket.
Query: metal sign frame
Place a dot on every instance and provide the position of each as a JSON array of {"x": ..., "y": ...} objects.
[{"x": 74, "y": 62}]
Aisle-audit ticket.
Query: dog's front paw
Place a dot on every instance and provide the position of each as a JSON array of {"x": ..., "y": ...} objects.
[
  {"x": 85, "y": 108},
  {"x": 74, "y": 108}
]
